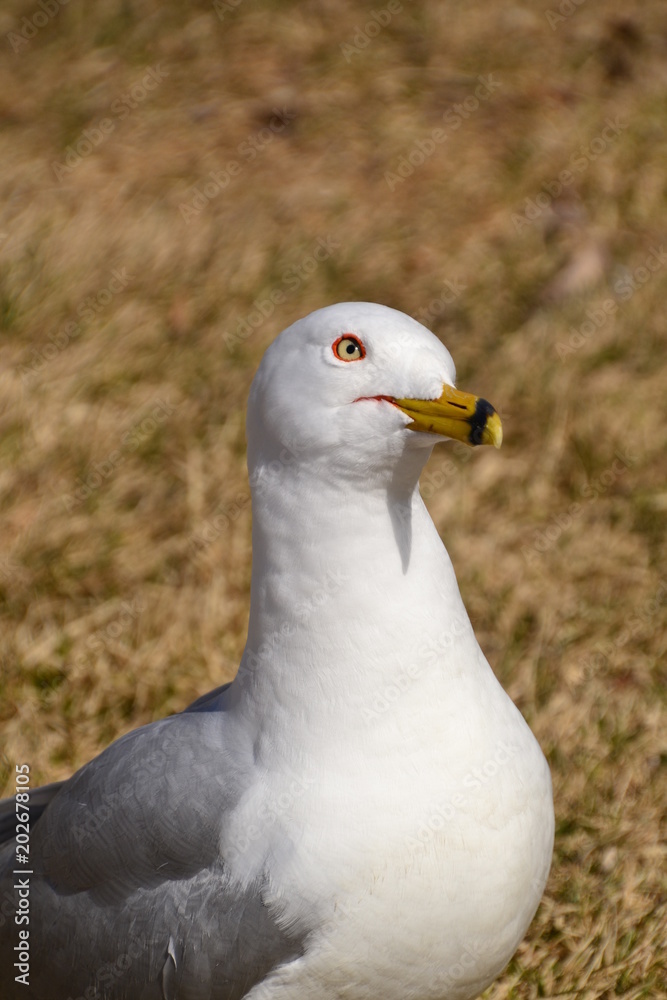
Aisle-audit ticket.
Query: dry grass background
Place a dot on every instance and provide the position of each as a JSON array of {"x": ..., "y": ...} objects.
[{"x": 122, "y": 606}]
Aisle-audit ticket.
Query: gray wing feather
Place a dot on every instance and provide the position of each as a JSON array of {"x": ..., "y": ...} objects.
[
  {"x": 209, "y": 702},
  {"x": 130, "y": 897},
  {"x": 39, "y": 800}
]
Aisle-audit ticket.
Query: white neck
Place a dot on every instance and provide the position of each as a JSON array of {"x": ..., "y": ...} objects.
[{"x": 309, "y": 529}]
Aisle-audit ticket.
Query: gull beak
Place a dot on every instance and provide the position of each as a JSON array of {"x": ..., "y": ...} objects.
[{"x": 457, "y": 415}]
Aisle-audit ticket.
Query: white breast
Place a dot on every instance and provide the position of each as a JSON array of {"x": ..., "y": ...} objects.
[{"x": 419, "y": 853}]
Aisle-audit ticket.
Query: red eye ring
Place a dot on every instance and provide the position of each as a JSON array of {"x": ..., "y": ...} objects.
[{"x": 354, "y": 349}]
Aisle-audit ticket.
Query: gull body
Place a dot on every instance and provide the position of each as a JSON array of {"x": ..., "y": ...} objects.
[{"x": 363, "y": 812}]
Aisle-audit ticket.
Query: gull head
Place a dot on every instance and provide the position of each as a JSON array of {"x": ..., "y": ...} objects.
[{"x": 357, "y": 386}]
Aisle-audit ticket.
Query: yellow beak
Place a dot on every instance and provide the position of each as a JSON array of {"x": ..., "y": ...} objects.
[{"x": 455, "y": 414}]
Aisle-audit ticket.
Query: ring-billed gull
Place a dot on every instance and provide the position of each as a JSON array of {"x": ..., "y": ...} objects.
[{"x": 363, "y": 812}]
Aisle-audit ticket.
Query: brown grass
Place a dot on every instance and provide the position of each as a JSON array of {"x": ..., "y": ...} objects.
[{"x": 558, "y": 544}]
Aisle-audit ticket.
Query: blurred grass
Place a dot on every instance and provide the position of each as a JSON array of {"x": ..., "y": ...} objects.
[{"x": 560, "y": 556}]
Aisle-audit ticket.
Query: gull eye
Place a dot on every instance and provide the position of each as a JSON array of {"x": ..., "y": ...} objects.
[{"x": 349, "y": 349}]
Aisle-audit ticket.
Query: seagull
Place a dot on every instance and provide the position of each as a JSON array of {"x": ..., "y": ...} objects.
[{"x": 363, "y": 813}]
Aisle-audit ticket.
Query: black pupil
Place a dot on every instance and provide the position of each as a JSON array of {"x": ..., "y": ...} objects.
[{"x": 351, "y": 348}]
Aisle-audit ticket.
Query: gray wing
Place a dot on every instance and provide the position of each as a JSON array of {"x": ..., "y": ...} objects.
[
  {"x": 39, "y": 800},
  {"x": 129, "y": 898},
  {"x": 209, "y": 702}
]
